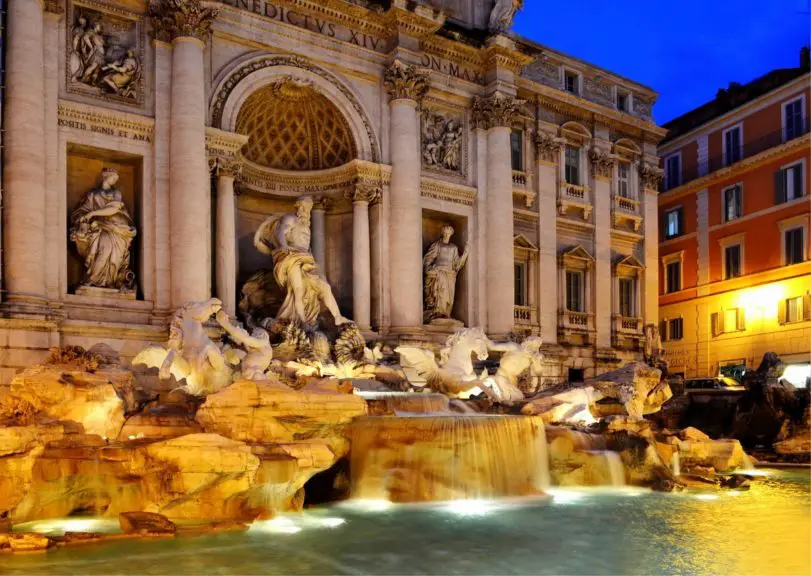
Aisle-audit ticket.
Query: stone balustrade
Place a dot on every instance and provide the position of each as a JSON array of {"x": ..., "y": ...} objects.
[{"x": 525, "y": 316}]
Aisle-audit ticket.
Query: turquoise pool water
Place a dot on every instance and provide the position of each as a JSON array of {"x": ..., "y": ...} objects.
[{"x": 766, "y": 530}]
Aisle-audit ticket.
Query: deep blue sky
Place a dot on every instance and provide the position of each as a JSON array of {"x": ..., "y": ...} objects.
[{"x": 684, "y": 49}]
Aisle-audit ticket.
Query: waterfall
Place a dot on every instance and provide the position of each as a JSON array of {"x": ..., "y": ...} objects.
[
  {"x": 675, "y": 464},
  {"x": 422, "y": 458},
  {"x": 616, "y": 469}
]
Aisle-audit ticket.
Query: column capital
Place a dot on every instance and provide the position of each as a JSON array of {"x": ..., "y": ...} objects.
[
  {"x": 323, "y": 203},
  {"x": 602, "y": 163},
  {"x": 181, "y": 18},
  {"x": 223, "y": 166},
  {"x": 495, "y": 111},
  {"x": 650, "y": 176},
  {"x": 548, "y": 147},
  {"x": 365, "y": 193},
  {"x": 53, "y": 7},
  {"x": 405, "y": 82}
]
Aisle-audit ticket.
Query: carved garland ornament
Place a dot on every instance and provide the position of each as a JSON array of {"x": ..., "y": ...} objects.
[
  {"x": 497, "y": 110},
  {"x": 602, "y": 163},
  {"x": 405, "y": 82},
  {"x": 650, "y": 176},
  {"x": 180, "y": 18},
  {"x": 548, "y": 147},
  {"x": 218, "y": 104}
]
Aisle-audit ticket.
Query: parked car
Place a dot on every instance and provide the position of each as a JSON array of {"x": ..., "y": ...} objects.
[{"x": 714, "y": 383}]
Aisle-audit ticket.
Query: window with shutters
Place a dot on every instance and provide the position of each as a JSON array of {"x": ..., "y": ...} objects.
[
  {"x": 623, "y": 98},
  {"x": 732, "y": 261},
  {"x": 673, "y": 277},
  {"x": 793, "y": 119},
  {"x": 794, "y": 309},
  {"x": 672, "y": 171},
  {"x": 572, "y": 165},
  {"x": 520, "y": 284},
  {"x": 733, "y": 203},
  {"x": 517, "y": 149},
  {"x": 727, "y": 321},
  {"x": 571, "y": 82},
  {"x": 789, "y": 183},
  {"x": 575, "y": 295},
  {"x": 675, "y": 329},
  {"x": 733, "y": 144},
  {"x": 674, "y": 222},
  {"x": 794, "y": 245}
]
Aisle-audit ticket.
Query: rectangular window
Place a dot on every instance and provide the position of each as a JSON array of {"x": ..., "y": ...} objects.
[
  {"x": 624, "y": 179},
  {"x": 788, "y": 183},
  {"x": 733, "y": 319},
  {"x": 571, "y": 82},
  {"x": 673, "y": 277},
  {"x": 673, "y": 223},
  {"x": 572, "y": 166},
  {"x": 794, "y": 309},
  {"x": 622, "y": 101},
  {"x": 574, "y": 291},
  {"x": 675, "y": 329},
  {"x": 673, "y": 172},
  {"x": 794, "y": 246},
  {"x": 627, "y": 297},
  {"x": 520, "y": 284},
  {"x": 794, "y": 119},
  {"x": 732, "y": 261},
  {"x": 732, "y": 145},
  {"x": 517, "y": 149},
  {"x": 733, "y": 203}
]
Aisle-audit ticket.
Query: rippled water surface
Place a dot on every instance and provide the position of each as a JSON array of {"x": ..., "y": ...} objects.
[{"x": 766, "y": 530}]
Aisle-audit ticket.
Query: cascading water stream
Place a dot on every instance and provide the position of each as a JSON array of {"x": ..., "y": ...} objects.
[{"x": 675, "y": 464}]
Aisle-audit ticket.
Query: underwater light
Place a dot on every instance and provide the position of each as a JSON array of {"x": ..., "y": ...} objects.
[
  {"x": 706, "y": 496},
  {"x": 62, "y": 525},
  {"x": 734, "y": 493},
  {"x": 469, "y": 507},
  {"x": 332, "y": 522},
  {"x": 752, "y": 472},
  {"x": 278, "y": 525},
  {"x": 370, "y": 505},
  {"x": 565, "y": 496}
]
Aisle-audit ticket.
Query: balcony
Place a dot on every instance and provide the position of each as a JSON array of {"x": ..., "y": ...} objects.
[
  {"x": 626, "y": 211},
  {"x": 522, "y": 187},
  {"x": 750, "y": 149},
  {"x": 525, "y": 318},
  {"x": 573, "y": 196},
  {"x": 576, "y": 328},
  {"x": 628, "y": 332}
]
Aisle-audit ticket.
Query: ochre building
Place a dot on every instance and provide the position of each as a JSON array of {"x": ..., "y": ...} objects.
[
  {"x": 146, "y": 142},
  {"x": 735, "y": 272}
]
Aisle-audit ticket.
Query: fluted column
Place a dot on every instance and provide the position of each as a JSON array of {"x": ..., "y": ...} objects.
[
  {"x": 361, "y": 196},
  {"x": 186, "y": 23},
  {"x": 406, "y": 86},
  {"x": 496, "y": 114},
  {"x": 226, "y": 252},
  {"x": 318, "y": 231},
  {"x": 24, "y": 161}
]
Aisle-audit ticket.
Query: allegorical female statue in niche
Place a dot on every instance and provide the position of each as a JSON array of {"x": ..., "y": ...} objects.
[
  {"x": 442, "y": 263},
  {"x": 103, "y": 231}
]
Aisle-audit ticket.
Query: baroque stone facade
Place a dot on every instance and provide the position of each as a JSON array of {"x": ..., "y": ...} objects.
[{"x": 398, "y": 124}]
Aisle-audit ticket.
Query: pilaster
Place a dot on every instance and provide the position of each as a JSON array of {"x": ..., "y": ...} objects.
[
  {"x": 601, "y": 170},
  {"x": 548, "y": 152},
  {"x": 650, "y": 176}
]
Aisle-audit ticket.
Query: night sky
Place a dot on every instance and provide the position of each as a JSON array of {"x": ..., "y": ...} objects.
[{"x": 684, "y": 49}]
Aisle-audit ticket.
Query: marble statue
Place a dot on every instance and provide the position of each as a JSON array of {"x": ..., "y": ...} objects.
[
  {"x": 286, "y": 238},
  {"x": 442, "y": 263},
  {"x": 93, "y": 52},
  {"x": 454, "y": 374},
  {"x": 501, "y": 17},
  {"x": 654, "y": 352},
  {"x": 121, "y": 75},
  {"x": 190, "y": 355},
  {"x": 517, "y": 359},
  {"x": 103, "y": 232},
  {"x": 256, "y": 361}
]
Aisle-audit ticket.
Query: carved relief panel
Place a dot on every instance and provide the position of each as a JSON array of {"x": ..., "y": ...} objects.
[
  {"x": 104, "y": 52},
  {"x": 443, "y": 142}
]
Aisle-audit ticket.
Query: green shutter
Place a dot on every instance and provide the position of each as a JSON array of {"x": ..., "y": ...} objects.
[{"x": 779, "y": 193}]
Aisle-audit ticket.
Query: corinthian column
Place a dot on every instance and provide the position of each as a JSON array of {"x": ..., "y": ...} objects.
[
  {"x": 226, "y": 253},
  {"x": 186, "y": 24},
  {"x": 406, "y": 86},
  {"x": 496, "y": 114},
  {"x": 318, "y": 231},
  {"x": 24, "y": 161},
  {"x": 361, "y": 196}
]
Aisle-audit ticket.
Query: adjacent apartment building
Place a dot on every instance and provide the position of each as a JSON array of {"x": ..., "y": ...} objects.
[{"x": 735, "y": 274}]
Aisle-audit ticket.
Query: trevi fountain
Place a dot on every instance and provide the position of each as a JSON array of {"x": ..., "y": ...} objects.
[{"x": 358, "y": 398}]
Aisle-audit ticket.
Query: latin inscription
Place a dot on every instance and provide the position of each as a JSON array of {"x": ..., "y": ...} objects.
[
  {"x": 107, "y": 130},
  {"x": 451, "y": 69}
]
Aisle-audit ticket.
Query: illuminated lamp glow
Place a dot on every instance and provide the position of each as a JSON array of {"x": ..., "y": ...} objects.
[
  {"x": 761, "y": 300},
  {"x": 62, "y": 525},
  {"x": 278, "y": 525},
  {"x": 370, "y": 505},
  {"x": 796, "y": 374}
]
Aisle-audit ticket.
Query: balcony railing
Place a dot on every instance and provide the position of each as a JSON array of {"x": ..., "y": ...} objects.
[
  {"x": 751, "y": 148},
  {"x": 525, "y": 316},
  {"x": 519, "y": 179},
  {"x": 577, "y": 319},
  {"x": 626, "y": 204},
  {"x": 628, "y": 324},
  {"x": 574, "y": 192}
]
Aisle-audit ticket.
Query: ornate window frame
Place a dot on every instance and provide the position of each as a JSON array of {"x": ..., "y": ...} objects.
[
  {"x": 574, "y": 196},
  {"x": 666, "y": 261},
  {"x": 574, "y": 325},
  {"x": 799, "y": 221},
  {"x": 727, "y": 242},
  {"x": 525, "y": 316},
  {"x": 628, "y": 267}
]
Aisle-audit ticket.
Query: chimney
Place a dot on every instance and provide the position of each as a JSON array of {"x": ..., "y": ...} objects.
[{"x": 805, "y": 58}]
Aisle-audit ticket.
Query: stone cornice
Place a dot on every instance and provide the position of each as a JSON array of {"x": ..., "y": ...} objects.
[
  {"x": 181, "y": 18},
  {"x": 650, "y": 176},
  {"x": 334, "y": 181},
  {"x": 447, "y": 191},
  {"x": 104, "y": 121},
  {"x": 502, "y": 52},
  {"x": 222, "y": 149},
  {"x": 454, "y": 51},
  {"x": 522, "y": 215},
  {"x": 419, "y": 23}
]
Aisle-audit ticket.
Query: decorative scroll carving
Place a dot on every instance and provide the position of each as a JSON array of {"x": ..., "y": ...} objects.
[
  {"x": 363, "y": 193},
  {"x": 650, "y": 176},
  {"x": 180, "y": 18},
  {"x": 548, "y": 147},
  {"x": 602, "y": 163},
  {"x": 104, "y": 54},
  {"x": 404, "y": 81},
  {"x": 495, "y": 111},
  {"x": 501, "y": 17},
  {"x": 441, "y": 141}
]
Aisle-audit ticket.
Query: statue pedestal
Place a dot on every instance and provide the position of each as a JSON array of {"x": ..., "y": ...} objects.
[
  {"x": 446, "y": 324},
  {"x": 109, "y": 293}
]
